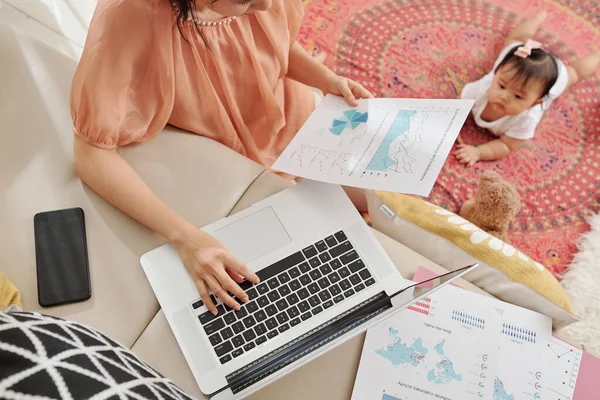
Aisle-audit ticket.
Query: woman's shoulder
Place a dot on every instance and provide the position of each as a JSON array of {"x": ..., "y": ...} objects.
[{"x": 134, "y": 9}]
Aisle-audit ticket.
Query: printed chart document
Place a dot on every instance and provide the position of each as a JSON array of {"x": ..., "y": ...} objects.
[
  {"x": 459, "y": 345},
  {"x": 396, "y": 145}
]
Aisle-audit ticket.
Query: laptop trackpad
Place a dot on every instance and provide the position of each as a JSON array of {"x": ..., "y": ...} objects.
[{"x": 254, "y": 236}]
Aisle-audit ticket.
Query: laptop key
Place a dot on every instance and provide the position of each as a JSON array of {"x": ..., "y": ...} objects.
[
  {"x": 280, "y": 266},
  {"x": 260, "y": 329},
  {"x": 226, "y": 333},
  {"x": 262, "y": 288},
  {"x": 241, "y": 313},
  {"x": 365, "y": 274},
  {"x": 283, "y": 328},
  {"x": 271, "y": 310},
  {"x": 249, "y": 335},
  {"x": 260, "y": 340},
  {"x": 293, "y": 312},
  {"x": 305, "y": 280},
  {"x": 330, "y": 240},
  {"x": 327, "y": 304},
  {"x": 314, "y": 262},
  {"x": 335, "y": 264},
  {"x": 284, "y": 277},
  {"x": 273, "y": 283},
  {"x": 274, "y": 296},
  {"x": 252, "y": 294},
  {"x": 324, "y": 257},
  {"x": 344, "y": 272},
  {"x": 335, "y": 290},
  {"x": 282, "y": 305},
  {"x": 238, "y": 327},
  {"x": 252, "y": 307},
  {"x": 370, "y": 282},
  {"x": 214, "y": 326},
  {"x": 197, "y": 304},
  {"x": 340, "y": 236},
  {"x": 340, "y": 249},
  {"x": 294, "y": 272},
  {"x": 355, "y": 279},
  {"x": 295, "y": 322},
  {"x": 271, "y": 323},
  {"x": 237, "y": 353},
  {"x": 292, "y": 299},
  {"x": 317, "y": 310},
  {"x": 321, "y": 246},
  {"x": 345, "y": 284},
  {"x": 295, "y": 285},
  {"x": 303, "y": 293},
  {"x": 225, "y": 359},
  {"x": 324, "y": 282},
  {"x": 238, "y": 341},
  {"x": 260, "y": 315},
  {"x": 313, "y": 288},
  {"x": 282, "y": 318},
  {"x": 249, "y": 346},
  {"x": 309, "y": 252},
  {"x": 356, "y": 266},
  {"x": 284, "y": 290},
  {"x": 223, "y": 348},
  {"x": 272, "y": 334},
  {"x": 249, "y": 322},
  {"x": 314, "y": 301},
  {"x": 324, "y": 295},
  {"x": 325, "y": 269},
  {"x": 262, "y": 301},
  {"x": 360, "y": 287},
  {"x": 339, "y": 298},
  {"x": 304, "y": 306},
  {"x": 334, "y": 277},
  {"x": 215, "y": 339},
  {"x": 206, "y": 317},
  {"x": 306, "y": 316},
  {"x": 315, "y": 274},
  {"x": 349, "y": 257},
  {"x": 348, "y": 293},
  {"x": 304, "y": 267}
]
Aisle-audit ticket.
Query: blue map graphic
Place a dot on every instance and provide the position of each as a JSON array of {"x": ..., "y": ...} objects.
[
  {"x": 401, "y": 354},
  {"x": 350, "y": 119},
  {"x": 443, "y": 372},
  {"x": 500, "y": 393},
  {"x": 382, "y": 160},
  {"x": 386, "y": 396}
]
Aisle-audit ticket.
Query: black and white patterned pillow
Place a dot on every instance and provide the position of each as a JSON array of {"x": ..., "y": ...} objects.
[{"x": 58, "y": 359}]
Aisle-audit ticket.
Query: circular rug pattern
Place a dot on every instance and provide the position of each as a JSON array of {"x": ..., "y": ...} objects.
[{"x": 431, "y": 49}]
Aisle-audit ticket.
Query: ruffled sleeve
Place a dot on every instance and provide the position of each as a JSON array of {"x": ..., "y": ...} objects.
[{"x": 123, "y": 88}]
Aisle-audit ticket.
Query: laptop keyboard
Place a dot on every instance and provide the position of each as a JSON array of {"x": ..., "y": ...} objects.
[{"x": 291, "y": 291}]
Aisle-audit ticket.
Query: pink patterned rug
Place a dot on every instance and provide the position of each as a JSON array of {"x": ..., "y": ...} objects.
[{"x": 431, "y": 48}]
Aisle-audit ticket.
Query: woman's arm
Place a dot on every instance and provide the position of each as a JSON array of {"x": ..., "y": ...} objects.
[
  {"x": 305, "y": 69},
  {"x": 207, "y": 261},
  {"x": 493, "y": 150}
]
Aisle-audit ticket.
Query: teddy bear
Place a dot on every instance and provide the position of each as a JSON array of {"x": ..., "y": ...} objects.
[{"x": 496, "y": 203}]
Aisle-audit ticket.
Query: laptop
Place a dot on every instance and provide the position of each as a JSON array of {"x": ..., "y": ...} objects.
[{"x": 324, "y": 279}]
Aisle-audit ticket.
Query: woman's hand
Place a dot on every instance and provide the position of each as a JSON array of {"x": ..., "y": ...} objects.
[
  {"x": 467, "y": 154},
  {"x": 212, "y": 266},
  {"x": 340, "y": 86}
]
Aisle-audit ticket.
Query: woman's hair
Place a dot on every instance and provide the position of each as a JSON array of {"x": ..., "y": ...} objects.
[
  {"x": 186, "y": 9},
  {"x": 540, "y": 66}
]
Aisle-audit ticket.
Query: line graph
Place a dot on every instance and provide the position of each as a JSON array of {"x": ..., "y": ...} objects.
[{"x": 562, "y": 367}]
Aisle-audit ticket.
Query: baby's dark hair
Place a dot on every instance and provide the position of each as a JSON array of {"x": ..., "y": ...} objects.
[{"x": 539, "y": 66}]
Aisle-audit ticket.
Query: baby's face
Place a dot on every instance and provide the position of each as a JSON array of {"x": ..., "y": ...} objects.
[{"x": 508, "y": 96}]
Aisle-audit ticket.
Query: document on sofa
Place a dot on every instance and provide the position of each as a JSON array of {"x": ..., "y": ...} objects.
[
  {"x": 456, "y": 345},
  {"x": 394, "y": 145}
]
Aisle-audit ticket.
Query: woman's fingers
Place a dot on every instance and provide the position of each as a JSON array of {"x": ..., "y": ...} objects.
[
  {"x": 234, "y": 275},
  {"x": 240, "y": 268},
  {"x": 221, "y": 293},
  {"x": 203, "y": 291},
  {"x": 228, "y": 284},
  {"x": 347, "y": 93}
]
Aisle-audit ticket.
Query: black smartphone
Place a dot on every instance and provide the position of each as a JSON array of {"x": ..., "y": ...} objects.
[{"x": 63, "y": 274}]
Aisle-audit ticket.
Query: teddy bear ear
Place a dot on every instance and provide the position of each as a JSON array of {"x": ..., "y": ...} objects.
[{"x": 490, "y": 176}]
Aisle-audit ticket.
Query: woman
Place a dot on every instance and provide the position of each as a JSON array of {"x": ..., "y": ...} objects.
[{"x": 230, "y": 70}]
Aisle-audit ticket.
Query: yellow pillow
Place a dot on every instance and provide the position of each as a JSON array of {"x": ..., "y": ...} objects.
[{"x": 453, "y": 242}]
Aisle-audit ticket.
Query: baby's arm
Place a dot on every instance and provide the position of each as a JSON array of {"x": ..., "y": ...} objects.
[
  {"x": 526, "y": 30},
  {"x": 493, "y": 150}
]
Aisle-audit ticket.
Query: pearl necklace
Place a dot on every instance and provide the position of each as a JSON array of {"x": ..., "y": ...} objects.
[{"x": 213, "y": 23}]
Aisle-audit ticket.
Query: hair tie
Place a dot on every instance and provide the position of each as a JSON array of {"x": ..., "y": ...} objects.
[{"x": 525, "y": 50}]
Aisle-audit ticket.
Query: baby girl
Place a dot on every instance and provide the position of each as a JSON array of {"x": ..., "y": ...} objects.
[{"x": 511, "y": 99}]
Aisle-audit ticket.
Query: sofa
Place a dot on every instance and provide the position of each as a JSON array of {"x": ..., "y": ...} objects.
[{"x": 199, "y": 178}]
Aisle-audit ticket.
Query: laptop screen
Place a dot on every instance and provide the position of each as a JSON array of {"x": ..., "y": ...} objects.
[{"x": 429, "y": 285}]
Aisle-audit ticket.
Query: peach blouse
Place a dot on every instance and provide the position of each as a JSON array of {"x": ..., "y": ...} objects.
[{"x": 138, "y": 73}]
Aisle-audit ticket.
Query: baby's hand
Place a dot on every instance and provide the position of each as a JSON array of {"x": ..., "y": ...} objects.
[{"x": 467, "y": 155}]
